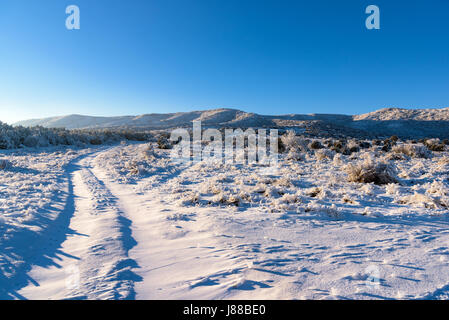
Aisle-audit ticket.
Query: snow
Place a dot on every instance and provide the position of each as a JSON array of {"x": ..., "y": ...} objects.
[{"x": 125, "y": 222}]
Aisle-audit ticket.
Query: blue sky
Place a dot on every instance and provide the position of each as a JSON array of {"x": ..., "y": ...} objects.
[{"x": 269, "y": 57}]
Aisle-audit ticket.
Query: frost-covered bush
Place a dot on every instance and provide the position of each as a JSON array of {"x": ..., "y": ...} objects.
[
  {"x": 341, "y": 146},
  {"x": 389, "y": 143},
  {"x": 324, "y": 154},
  {"x": 292, "y": 142},
  {"x": 365, "y": 145},
  {"x": 315, "y": 145},
  {"x": 295, "y": 155},
  {"x": 422, "y": 200},
  {"x": 226, "y": 199},
  {"x": 443, "y": 160},
  {"x": 135, "y": 168},
  {"x": 370, "y": 171},
  {"x": 19, "y": 137},
  {"x": 391, "y": 189},
  {"x": 163, "y": 143},
  {"x": 337, "y": 160},
  {"x": 412, "y": 150},
  {"x": 353, "y": 146},
  {"x": 4, "y": 164},
  {"x": 434, "y": 144},
  {"x": 149, "y": 153}
]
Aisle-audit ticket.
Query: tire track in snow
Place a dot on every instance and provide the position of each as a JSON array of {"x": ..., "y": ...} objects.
[{"x": 93, "y": 262}]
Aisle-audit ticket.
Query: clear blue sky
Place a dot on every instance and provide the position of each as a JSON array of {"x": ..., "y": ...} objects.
[{"x": 270, "y": 57}]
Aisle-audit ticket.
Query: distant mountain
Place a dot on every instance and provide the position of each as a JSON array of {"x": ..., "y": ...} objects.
[
  {"x": 75, "y": 121},
  {"x": 406, "y": 114},
  {"x": 393, "y": 121},
  {"x": 154, "y": 120}
]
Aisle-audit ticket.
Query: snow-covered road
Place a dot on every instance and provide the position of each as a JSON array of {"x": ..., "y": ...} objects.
[
  {"x": 93, "y": 261},
  {"x": 120, "y": 245}
]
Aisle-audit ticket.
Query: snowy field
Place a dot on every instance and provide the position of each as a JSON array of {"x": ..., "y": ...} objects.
[{"x": 125, "y": 222}]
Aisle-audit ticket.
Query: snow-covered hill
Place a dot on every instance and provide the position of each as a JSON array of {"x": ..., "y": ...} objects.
[
  {"x": 390, "y": 114},
  {"x": 418, "y": 123},
  {"x": 154, "y": 120}
]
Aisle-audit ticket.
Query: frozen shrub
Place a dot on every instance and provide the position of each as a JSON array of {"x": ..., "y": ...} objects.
[
  {"x": 394, "y": 139},
  {"x": 135, "y": 168},
  {"x": 337, "y": 161},
  {"x": 323, "y": 154},
  {"x": 294, "y": 155},
  {"x": 36, "y": 141},
  {"x": 341, "y": 147},
  {"x": 369, "y": 171},
  {"x": 412, "y": 150},
  {"x": 281, "y": 146},
  {"x": 192, "y": 198},
  {"x": 443, "y": 160},
  {"x": 389, "y": 143},
  {"x": 271, "y": 192},
  {"x": 288, "y": 199},
  {"x": 148, "y": 152},
  {"x": 163, "y": 143},
  {"x": 367, "y": 189},
  {"x": 260, "y": 188},
  {"x": 313, "y": 192},
  {"x": 364, "y": 145},
  {"x": 392, "y": 189},
  {"x": 434, "y": 145},
  {"x": 4, "y": 164},
  {"x": 331, "y": 211},
  {"x": 283, "y": 182},
  {"x": 315, "y": 145},
  {"x": 95, "y": 141},
  {"x": 329, "y": 143},
  {"x": 421, "y": 200},
  {"x": 353, "y": 146},
  {"x": 395, "y": 156},
  {"x": 347, "y": 199},
  {"x": 438, "y": 188},
  {"x": 338, "y": 144},
  {"x": 291, "y": 141},
  {"x": 222, "y": 198}
]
